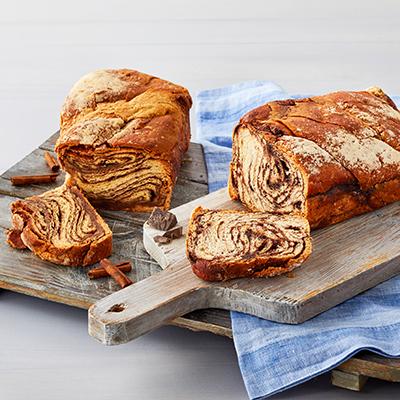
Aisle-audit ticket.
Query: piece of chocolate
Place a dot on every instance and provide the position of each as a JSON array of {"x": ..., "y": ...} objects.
[
  {"x": 161, "y": 239},
  {"x": 162, "y": 220},
  {"x": 174, "y": 233}
]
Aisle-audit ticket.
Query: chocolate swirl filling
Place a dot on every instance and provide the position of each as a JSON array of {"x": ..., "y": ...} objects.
[
  {"x": 266, "y": 179},
  {"x": 119, "y": 179},
  {"x": 62, "y": 227},
  {"x": 230, "y": 244}
]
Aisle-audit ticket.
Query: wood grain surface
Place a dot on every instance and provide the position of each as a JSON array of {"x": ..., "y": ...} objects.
[
  {"x": 353, "y": 374},
  {"x": 347, "y": 259},
  {"x": 373, "y": 366},
  {"x": 23, "y": 272}
]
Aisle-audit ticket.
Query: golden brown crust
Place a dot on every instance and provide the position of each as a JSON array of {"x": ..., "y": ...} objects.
[
  {"x": 346, "y": 144},
  {"x": 14, "y": 239},
  {"x": 125, "y": 113},
  {"x": 62, "y": 227},
  {"x": 257, "y": 262}
]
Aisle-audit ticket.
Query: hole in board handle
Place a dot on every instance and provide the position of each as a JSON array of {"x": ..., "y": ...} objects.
[{"x": 117, "y": 308}]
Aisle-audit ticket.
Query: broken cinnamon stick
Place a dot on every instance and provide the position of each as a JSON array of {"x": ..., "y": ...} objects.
[
  {"x": 100, "y": 272},
  {"x": 115, "y": 273},
  {"x": 20, "y": 180},
  {"x": 51, "y": 162}
]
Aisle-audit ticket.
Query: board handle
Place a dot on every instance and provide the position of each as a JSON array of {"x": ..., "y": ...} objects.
[{"x": 147, "y": 304}]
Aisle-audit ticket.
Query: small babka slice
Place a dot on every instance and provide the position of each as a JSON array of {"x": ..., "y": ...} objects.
[
  {"x": 60, "y": 226},
  {"x": 226, "y": 244}
]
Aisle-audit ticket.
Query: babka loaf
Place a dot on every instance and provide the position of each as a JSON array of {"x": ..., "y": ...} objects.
[
  {"x": 123, "y": 134},
  {"x": 330, "y": 157},
  {"x": 60, "y": 226},
  {"x": 226, "y": 244}
]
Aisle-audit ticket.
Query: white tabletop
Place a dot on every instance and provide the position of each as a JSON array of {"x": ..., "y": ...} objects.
[{"x": 45, "y": 46}]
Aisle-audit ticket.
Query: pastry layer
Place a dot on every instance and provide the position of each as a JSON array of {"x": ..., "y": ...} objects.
[
  {"x": 60, "y": 226},
  {"x": 266, "y": 178},
  {"x": 225, "y": 244},
  {"x": 120, "y": 179}
]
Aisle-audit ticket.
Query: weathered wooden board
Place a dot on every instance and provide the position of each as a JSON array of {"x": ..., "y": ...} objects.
[
  {"x": 22, "y": 272},
  {"x": 354, "y": 373},
  {"x": 347, "y": 259}
]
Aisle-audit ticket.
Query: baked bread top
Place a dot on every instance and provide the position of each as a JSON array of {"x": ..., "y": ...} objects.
[
  {"x": 126, "y": 108},
  {"x": 354, "y": 134}
]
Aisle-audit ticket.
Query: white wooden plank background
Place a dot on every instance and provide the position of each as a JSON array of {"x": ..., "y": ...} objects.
[{"x": 305, "y": 46}]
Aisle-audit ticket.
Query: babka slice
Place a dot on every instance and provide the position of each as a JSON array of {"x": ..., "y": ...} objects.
[
  {"x": 226, "y": 244},
  {"x": 60, "y": 226}
]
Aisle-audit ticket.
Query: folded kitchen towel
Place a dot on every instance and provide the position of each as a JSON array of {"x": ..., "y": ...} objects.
[
  {"x": 272, "y": 356},
  {"x": 218, "y": 110}
]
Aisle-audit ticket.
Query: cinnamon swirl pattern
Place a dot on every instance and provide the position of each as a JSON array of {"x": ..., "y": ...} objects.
[
  {"x": 226, "y": 244},
  {"x": 60, "y": 226},
  {"x": 329, "y": 157},
  {"x": 123, "y": 135}
]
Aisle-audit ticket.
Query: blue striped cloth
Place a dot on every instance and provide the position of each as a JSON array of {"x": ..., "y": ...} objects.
[{"x": 272, "y": 356}]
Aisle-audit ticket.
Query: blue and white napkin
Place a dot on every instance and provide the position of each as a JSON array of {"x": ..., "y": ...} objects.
[{"x": 272, "y": 356}]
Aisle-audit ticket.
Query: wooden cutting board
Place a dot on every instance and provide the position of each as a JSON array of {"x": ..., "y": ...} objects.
[
  {"x": 347, "y": 259},
  {"x": 22, "y": 272}
]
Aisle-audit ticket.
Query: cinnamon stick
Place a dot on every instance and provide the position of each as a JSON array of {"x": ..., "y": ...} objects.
[
  {"x": 51, "y": 162},
  {"x": 20, "y": 180},
  {"x": 115, "y": 273},
  {"x": 100, "y": 272}
]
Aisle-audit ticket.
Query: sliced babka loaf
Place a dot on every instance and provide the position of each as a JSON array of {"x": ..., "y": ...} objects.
[
  {"x": 60, "y": 226},
  {"x": 226, "y": 244},
  {"x": 330, "y": 157}
]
